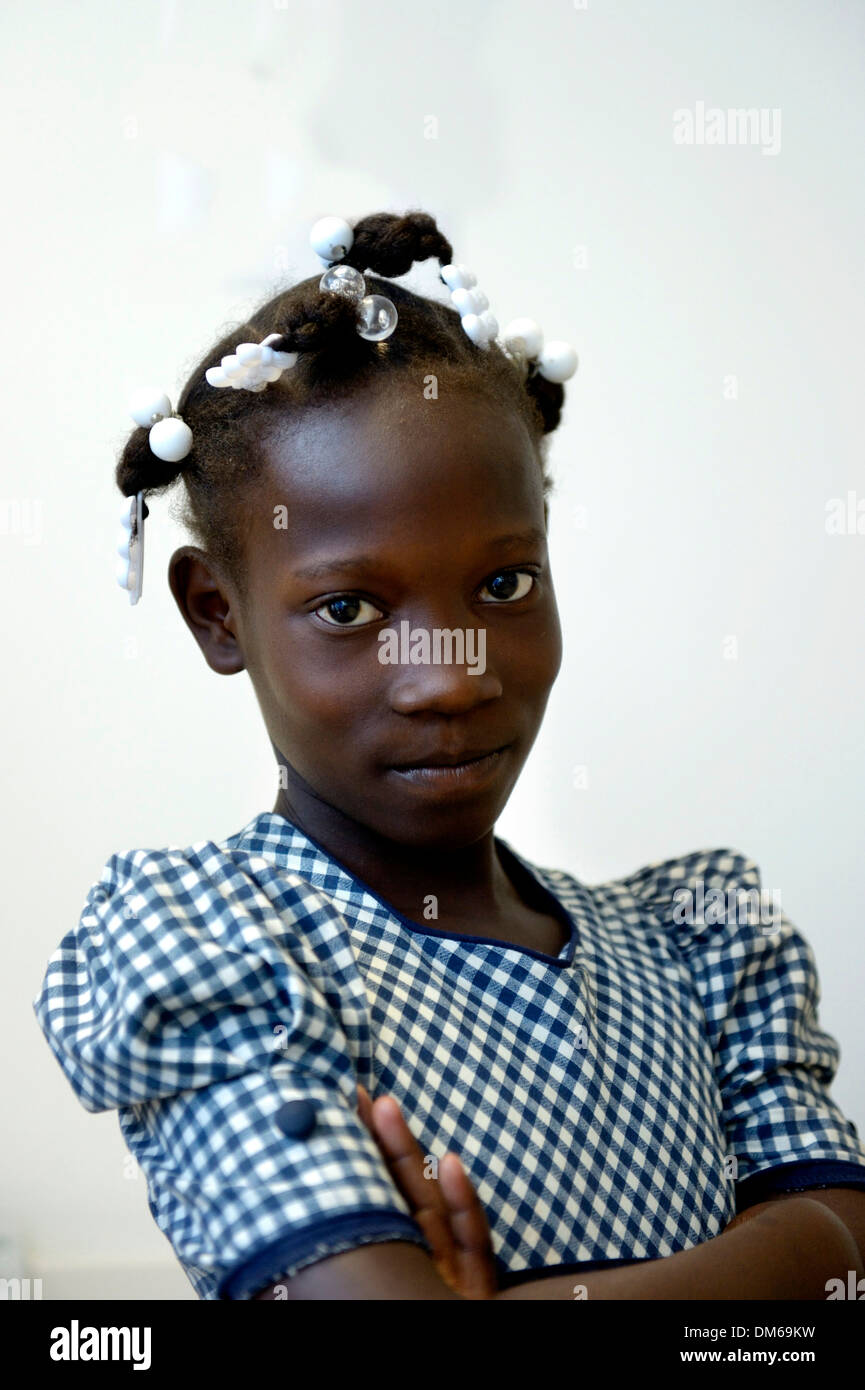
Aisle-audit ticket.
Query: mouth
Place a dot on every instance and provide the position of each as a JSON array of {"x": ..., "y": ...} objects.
[{"x": 453, "y": 771}]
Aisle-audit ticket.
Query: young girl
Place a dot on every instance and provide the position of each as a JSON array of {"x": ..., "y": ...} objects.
[{"x": 612, "y": 1074}]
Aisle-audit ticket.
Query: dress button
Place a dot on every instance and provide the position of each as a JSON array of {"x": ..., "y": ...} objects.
[{"x": 296, "y": 1118}]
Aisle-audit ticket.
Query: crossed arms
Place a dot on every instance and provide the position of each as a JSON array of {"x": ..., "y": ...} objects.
[{"x": 786, "y": 1248}]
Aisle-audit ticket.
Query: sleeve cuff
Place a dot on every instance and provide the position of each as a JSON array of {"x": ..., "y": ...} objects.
[
  {"x": 296, "y": 1249},
  {"x": 797, "y": 1177}
]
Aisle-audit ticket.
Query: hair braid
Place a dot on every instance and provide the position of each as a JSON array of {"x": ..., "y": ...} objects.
[{"x": 389, "y": 245}]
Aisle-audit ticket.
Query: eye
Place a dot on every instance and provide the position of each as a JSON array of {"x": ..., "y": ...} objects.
[
  {"x": 346, "y": 610},
  {"x": 509, "y": 585}
]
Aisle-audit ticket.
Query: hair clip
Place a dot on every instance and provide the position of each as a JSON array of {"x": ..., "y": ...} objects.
[
  {"x": 170, "y": 439},
  {"x": 130, "y": 547}
]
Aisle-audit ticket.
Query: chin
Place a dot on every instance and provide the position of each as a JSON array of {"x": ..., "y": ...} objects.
[{"x": 446, "y": 826}]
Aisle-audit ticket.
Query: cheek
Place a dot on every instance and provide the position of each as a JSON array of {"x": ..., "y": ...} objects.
[
  {"x": 334, "y": 684},
  {"x": 554, "y": 645},
  {"x": 552, "y": 639},
  {"x": 529, "y": 659}
]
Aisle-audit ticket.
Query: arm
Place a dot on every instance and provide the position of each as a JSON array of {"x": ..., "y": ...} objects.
[
  {"x": 787, "y": 1250},
  {"x": 446, "y": 1208},
  {"x": 774, "y": 1249},
  {"x": 783, "y": 1249},
  {"x": 848, "y": 1203},
  {"x": 390, "y": 1270}
]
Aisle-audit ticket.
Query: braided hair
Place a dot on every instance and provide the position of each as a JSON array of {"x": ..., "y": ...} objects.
[{"x": 230, "y": 428}]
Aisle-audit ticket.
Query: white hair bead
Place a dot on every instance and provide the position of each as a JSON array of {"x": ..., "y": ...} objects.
[
  {"x": 492, "y": 323},
  {"x": 458, "y": 276},
  {"x": 284, "y": 359},
  {"x": 171, "y": 439},
  {"x": 465, "y": 301},
  {"x": 248, "y": 353},
  {"x": 475, "y": 328},
  {"x": 331, "y": 238},
  {"x": 281, "y": 359},
  {"x": 251, "y": 366},
  {"x": 558, "y": 361},
  {"x": 147, "y": 402},
  {"x": 525, "y": 335}
]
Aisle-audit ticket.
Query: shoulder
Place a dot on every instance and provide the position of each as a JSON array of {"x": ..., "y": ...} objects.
[
  {"x": 663, "y": 883},
  {"x": 230, "y": 891},
  {"x": 706, "y": 898},
  {"x": 205, "y": 949},
  {"x": 215, "y": 915}
]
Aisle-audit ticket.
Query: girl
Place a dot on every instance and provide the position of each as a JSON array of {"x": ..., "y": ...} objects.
[{"x": 615, "y": 1075}]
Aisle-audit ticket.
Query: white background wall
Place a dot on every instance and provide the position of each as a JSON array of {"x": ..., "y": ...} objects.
[{"x": 162, "y": 166}]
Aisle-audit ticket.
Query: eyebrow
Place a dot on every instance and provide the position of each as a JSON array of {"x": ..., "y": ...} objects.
[
  {"x": 325, "y": 567},
  {"x": 319, "y": 568}
]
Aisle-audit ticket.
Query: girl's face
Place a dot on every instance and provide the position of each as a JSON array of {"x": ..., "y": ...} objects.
[{"x": 390, "y": 513}]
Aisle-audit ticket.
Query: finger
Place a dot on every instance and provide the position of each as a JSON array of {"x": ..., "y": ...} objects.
[
  {"x": 473, "y": 1255},
  {"x": 431, "y": 1219},
  {"x": 364, "y": 1106},
  {"x": 408, "y": 1166}
]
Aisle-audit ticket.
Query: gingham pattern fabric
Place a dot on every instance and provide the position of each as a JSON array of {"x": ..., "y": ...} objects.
[{"x": 600, "y": 1100}]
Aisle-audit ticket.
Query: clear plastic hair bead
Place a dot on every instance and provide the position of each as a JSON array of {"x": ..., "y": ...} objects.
[
  {"x": 344, "y": 280},
  {"x": 377, "y": 317}
]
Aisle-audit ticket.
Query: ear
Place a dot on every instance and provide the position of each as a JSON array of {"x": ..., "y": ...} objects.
[{"x": 205, "y": 602}]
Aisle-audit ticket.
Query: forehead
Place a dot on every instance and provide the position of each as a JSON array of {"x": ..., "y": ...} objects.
[{"x": 390, "y": 467}]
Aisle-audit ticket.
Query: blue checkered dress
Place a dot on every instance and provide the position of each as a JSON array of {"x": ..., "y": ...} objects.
[{"x": 616, "y": 1102}]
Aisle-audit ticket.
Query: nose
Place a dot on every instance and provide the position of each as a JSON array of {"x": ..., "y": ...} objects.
[
  {"x": 442, "y": 689},
  {"x": 435, "y": 682}
]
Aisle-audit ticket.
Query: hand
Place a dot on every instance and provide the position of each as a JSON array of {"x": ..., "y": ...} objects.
[{"x": 447, "y": 1208}]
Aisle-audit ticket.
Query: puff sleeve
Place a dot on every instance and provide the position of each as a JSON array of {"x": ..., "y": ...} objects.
[
  {"x": 223, "y": 1023},
  {"x": 756, "y": 977}
]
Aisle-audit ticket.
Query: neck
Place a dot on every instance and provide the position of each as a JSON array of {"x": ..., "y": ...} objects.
[{"x": 465, "y": 882}]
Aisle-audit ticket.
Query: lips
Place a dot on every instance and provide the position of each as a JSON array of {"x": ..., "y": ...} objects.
[
  {"x": 459, "y": 777},
  {"x": 449, "y": 758}
]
